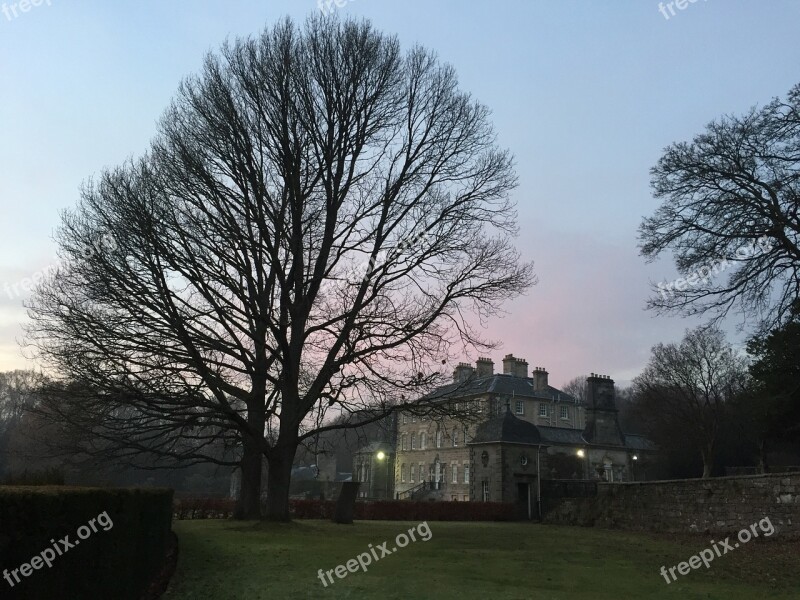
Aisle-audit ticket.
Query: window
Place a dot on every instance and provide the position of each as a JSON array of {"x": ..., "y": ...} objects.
[
  {"x": 455, "y": 438},
  {"x": 543, "y": 412},
  {"x": 565, "y": 412},
  {"x": 423, "y": 440},
  {"x": 485, "y": 486},
  {"x": 520, "y": 407},
  {"x": 413, "y": 418},
  {"x": 465, "y": 436},
  {"x": 439, "y": 439},
  {"x": 403, "y": 473},
  {"x": 466, "y": 473},
  {"x": 404, "y": 442},
  {"x": 411, "y": 473},
  {"x": 466, "y": 498},
  {"x": 421, "y": 473},
  {"x": 454, "y": 468},
  {"x": 405, "y": 419},
  {"x": 413, "y": 441}
]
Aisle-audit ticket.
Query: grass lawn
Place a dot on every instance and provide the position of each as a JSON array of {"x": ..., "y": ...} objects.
[{"x": 248, "y": 560}]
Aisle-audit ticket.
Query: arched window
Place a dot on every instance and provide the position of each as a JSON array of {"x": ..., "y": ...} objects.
[
  {"x": 403, "y": 473},
  {"x": 423, "y": 440},
  {"x": 413, "y": 441},
  {"x": 439, "y": 438}
]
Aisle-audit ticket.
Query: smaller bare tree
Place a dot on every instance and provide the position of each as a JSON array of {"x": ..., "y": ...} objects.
[{"x": 686, "y": 387}]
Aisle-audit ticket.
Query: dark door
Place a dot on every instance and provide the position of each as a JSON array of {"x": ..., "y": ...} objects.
[{"x": 524, "y": 500}]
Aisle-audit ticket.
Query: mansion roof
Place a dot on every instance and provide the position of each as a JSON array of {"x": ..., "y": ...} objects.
[
  {"x": 509, "y": 429},
  {"x": 501, "y": 385}
]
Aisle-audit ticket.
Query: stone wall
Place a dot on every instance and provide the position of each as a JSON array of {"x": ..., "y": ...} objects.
[{"x": 713, "y": 506}]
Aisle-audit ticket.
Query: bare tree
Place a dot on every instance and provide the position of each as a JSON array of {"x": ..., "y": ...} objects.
[
  {"x": 18, "y": 393},
  {"x": 314, "y": 219},
  {"x": 686, "y": 387},
  {"x": 576, "y": 387},
  {"x": 729, "y": 215}
]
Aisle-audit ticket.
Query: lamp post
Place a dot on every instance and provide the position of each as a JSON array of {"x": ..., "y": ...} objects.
[
  {"x": 581, "y": 454},
  {"x": 381, "y": 455}
]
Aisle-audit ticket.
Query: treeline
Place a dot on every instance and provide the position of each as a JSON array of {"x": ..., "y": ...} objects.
[
  {"x": 714, "y": 411},
  {"x": 36, "y": 449}
]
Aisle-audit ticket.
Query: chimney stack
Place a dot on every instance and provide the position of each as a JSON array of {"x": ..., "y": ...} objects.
[
  {"x": 540, "y": 379},
  {"x": 518, "y": 367},
  {"x": 484, "y": 367},
  {"x": 602, "y": 424},
  {"x": 462, "y": 372}
]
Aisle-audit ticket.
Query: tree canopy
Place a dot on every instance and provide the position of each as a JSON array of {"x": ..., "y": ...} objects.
[{"x": 308, "y": 232}]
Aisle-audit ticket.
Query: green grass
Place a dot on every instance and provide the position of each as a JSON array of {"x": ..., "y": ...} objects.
[{"x": 247, "y": 560}]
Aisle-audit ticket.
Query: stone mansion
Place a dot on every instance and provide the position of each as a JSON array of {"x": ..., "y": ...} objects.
[{"x": 521, "y": 430}]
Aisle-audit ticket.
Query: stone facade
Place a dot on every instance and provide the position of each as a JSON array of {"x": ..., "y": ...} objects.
[
  {"x": 581, "y": 441},
  {"x": 716, "y": 506}
]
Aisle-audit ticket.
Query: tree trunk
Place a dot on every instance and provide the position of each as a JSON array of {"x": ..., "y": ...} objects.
[
  {"x": 278, "y": 480},
  {"x": 763, "y": 467},
  {"x": 249, "y": 504},
  {"x": 708, "y": 462}
]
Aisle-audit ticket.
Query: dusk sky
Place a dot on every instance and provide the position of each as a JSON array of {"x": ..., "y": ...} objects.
[{"x": 586, "y": 95}]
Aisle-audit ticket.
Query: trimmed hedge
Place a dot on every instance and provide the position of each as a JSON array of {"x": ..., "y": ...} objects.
[
  {"x": 380, "y": 510},
  {"x": 203, "y": 508},
  {"x": 113, "y": 562},
  {"x": 403, "y": 510}
]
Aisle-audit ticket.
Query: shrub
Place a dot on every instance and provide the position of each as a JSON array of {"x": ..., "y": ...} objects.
[
  {"x": 115, "y": 563},
  {"x": 52, "y": 476},
  {"x": 379, "y": 510},
  {"x": 203, "y": 508},
  {"x": 402, "y": 510}
]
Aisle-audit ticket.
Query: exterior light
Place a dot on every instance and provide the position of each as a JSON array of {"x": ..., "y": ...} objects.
[
  {"x": 381, "y": 455},
  {"x": 635, "y": 457},
  {"x": 580, "y": 453}
]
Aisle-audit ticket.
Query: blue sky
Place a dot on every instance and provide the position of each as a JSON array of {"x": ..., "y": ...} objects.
[{"x": 585, "y": 94}]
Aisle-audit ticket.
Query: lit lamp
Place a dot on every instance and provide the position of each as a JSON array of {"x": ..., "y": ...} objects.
[
  {"x": 581, "y": 454},
  {"x": 381, "y": 455}
]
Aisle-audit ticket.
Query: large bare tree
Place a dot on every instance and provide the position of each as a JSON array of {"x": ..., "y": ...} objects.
[
  {"x": 729, "y": 216},
  {"x": 305, "y": 238},
  {"x": 687, "y": 388}
]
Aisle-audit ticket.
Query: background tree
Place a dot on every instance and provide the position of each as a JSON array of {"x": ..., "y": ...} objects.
[
  {"x": 729, "y": 215},
  {"x": 18, "y": 393},
  {"x": 685, "y": 390},
  {"x": 772, "y": 409},
  {"x": 304, "y": 239},
  {"x": 576, "y": 387}
]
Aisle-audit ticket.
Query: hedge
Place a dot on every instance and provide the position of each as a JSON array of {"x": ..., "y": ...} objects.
[
  {"x": 118, "y": 560},
  {"x": 381, "y": 510},
  {"x": 203, "y": 508},
  {"x": 405, "y": 510}
]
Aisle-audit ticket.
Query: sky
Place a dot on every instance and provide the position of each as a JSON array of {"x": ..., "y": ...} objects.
[{"x": 585, "y": 94}]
